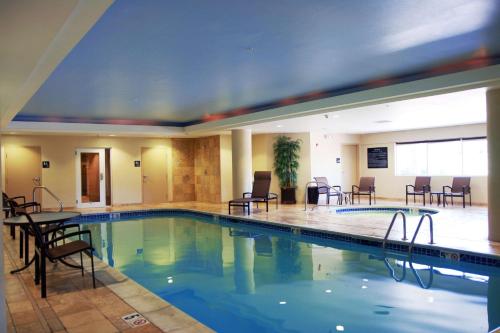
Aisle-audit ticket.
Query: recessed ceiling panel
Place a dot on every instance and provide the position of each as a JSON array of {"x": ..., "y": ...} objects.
[{"x": 183, "y": 62}]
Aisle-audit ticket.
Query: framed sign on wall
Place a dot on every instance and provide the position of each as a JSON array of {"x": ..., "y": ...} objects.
[{"x": 377, "y": 158}]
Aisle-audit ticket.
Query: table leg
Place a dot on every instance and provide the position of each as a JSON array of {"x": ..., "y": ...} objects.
[{"x": 27, "y": 260}]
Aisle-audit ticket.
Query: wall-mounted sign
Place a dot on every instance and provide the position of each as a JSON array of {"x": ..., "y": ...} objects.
[
  {"x": 137, "y": 164},
  {"x": 337, "y": 160},
  {"x": 377, "y": 158},
  {"x": 45, "y": 164}
]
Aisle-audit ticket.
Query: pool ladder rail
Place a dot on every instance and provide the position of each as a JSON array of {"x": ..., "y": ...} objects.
[
  {"x": 412, "y": 243},
  {"x": 323, "y": 185}
]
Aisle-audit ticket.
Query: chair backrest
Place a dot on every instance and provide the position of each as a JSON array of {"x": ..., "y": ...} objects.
[
  {"x": 459, "y": 183},
  {"x": 5, "y": 200},
  {"x": 422, "y": 184},
  {"x": 261, "y": 184},
  {"x": 366, "y": 183},
  {"x": 322, "y": 184},
  {"x": 34, "y": 228}
]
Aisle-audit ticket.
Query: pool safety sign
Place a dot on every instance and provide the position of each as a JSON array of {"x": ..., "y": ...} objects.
[{"x": 135, "y": 320}]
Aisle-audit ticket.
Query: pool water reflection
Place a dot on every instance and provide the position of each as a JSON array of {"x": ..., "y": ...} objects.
[{"x": 248, "y": 280}]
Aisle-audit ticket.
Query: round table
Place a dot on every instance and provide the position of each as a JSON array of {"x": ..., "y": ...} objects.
[{"x": 38, "y": 218}]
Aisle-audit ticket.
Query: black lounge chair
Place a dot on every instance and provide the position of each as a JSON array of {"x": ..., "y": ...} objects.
[
  {"x": 49, "y": 249},
  {"x": 459, "y": 188},
  {"x": 366, "y": 187},
  {"x": 421, "y": 187},
  {"x": 260, "y": 193},
  {"x": 19, "y": 201},
  {"x": 329, "y": 191}
]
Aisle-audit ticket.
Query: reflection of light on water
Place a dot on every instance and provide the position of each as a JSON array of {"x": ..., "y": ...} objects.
[
  {"x": 365, "y": 280},
  {"x": 328, "y": 291},
  {"x": 339, "y": 328},
  {"x": 364, "y": 287},
  {"x": 282, "y": 302}
]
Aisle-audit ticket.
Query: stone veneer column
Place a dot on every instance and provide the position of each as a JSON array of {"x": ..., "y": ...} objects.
[
  {"x": 242, "y": 161},
  {"x": 493, "y": 131}
]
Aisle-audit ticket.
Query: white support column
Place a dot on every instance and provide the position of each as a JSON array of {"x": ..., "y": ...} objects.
[
  {"x": 242, "y": 161},
  {"x": 3, "y": 307},
  {"x": 493, "y": 132}
]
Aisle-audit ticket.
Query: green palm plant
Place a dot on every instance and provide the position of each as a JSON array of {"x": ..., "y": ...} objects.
[{"x": 286, "y": 160}]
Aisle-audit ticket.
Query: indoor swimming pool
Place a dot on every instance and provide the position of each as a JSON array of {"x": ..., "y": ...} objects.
[{"x": 238, "y": 278}]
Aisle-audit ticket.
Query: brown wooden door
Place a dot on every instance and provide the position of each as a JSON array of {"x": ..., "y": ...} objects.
[
  {"x": 154, "y": 175},
  {"x": 22, "y": 165}
]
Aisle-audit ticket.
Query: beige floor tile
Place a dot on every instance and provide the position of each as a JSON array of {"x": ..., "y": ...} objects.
[
  {"x": 81, "y": 318},
  {"x": 99, "y": 326}
]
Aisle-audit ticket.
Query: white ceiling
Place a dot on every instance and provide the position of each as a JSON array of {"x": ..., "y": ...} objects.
[{"x": 459, "y": 108}]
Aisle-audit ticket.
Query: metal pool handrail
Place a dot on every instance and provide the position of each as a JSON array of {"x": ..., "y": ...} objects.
[
  {"x": 317, "y": 185},
  {"x": 399, "y": 212},
  {"x": 49, "y": 192},
  {"x": 431, "y": 230}
]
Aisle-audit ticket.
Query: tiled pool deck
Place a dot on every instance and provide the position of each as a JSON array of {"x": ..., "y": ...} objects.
[{"x": 73, "y": 306}]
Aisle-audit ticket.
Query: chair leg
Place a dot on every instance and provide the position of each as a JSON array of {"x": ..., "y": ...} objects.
[
  {"x": 13, "y": 231},
  {"x": 43, "y": 276},
  {"x": 424, "y": 198},
  {"x": 21, "y": 246},
  {"x": 470, "y": 199},
  {"x": 414, "y": 198},
  {"x": 463, "y": 200},
  {"x": 37, "y": 268},
  {"x": 370, "y": 198},
  {"x": 81, "y": 261},
  {"x": 407, "y": 198},
  {"x": 267, "y": 206},
  {"x": 92, "y": 265},
  {"x": 229, "y": 208}
]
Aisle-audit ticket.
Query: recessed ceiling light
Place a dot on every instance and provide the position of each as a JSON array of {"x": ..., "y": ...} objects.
[
  {"x": 339, "y": 328},
  {"x": 279, "y": 126},
  {"x": 384, "y": 121},
  {"x": 112, "y": 135},
  {"x": 282, "y": 302}
]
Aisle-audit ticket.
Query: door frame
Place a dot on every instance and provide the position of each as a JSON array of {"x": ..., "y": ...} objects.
[{"x": 102, "y": 176}]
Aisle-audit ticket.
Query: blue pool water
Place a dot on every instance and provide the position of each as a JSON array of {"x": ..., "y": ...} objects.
[{"x": 243, "y": 279}]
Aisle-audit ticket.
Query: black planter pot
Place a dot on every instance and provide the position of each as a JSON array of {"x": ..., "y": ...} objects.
[{"x": 288, "y": 196}]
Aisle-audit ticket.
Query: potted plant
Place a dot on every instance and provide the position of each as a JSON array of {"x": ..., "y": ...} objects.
[{"x": 286, "y": 164}]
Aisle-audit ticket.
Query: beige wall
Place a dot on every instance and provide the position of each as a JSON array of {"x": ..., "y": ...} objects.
[
  {"x": 263, "y": 159},
  {"x": 388, "y": 185},
  {"x": 126, "y": 182},
  {"x": 325, "y": 149}
]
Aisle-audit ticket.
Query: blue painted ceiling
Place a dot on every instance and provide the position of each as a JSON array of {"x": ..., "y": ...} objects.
[{"x": 176, "y": 62}]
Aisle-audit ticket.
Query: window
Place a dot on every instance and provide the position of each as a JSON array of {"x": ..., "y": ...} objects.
[{"x": 454, "y": 157}]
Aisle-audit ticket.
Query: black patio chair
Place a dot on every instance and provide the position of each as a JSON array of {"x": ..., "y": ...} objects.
[{"x": 49, "y": 249}]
